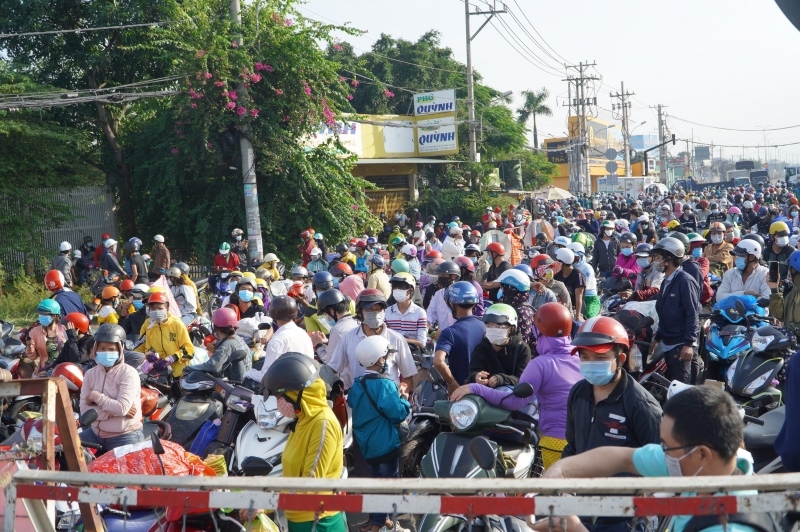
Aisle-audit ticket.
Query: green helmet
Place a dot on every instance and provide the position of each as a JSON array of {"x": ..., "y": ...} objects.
[
  {"x": 224, "y": 247},
  {"x": 400, "y": 265},
  {"x": 49, "y": 306},
  {"x": 397, "y": 240},
  {"x": 500, "y": 313}
]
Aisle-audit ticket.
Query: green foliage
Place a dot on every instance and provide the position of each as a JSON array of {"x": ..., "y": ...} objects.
[
  {"x": 444, "y": 204},
  {"x": 533, "y": 105},
  {"x": 537, "y": 171}
]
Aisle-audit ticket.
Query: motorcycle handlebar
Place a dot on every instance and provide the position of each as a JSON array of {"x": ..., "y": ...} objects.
[
  {"x": 90, "y": 445},
  {"x": 751, "y": 419}
]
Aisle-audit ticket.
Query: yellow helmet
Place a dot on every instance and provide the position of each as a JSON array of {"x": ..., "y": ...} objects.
[
  {"x": 778, "y": 227},
  {"x": 673, "y": 224},
  {"x": 705, "y": 233},
  {"x": 261, "y": 283},
  {"x": 249, "y": 275},
  {"x": 155, "y": 288},
  {"x": 236, "y": 273}
]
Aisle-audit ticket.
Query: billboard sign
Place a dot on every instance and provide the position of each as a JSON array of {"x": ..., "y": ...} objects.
[
  {"x": 437, "y": 136},
  {"x": 429, "y": 103},
  {"x": 557, "y": 151}
]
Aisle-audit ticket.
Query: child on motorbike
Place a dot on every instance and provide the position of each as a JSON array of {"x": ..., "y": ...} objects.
[
  {"x": 109, "y": 299},
  {"x": 378, "y": 410},
  {"x": 552, "y": 375}
]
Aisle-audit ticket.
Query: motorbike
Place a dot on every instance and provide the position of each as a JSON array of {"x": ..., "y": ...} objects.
[
  {"x": 512, "y": 441},
  {"x": 759, "y": 440},
  {"x": 214, "y": 295}
]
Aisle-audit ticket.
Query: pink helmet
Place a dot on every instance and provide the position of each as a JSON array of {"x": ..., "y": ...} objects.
[
  {"x": 224, "y": 317},
  {"x": 734, "y": 210}
]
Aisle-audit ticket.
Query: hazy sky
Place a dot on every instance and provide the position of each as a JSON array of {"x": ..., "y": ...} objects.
[{"x": 728, "y": 63}]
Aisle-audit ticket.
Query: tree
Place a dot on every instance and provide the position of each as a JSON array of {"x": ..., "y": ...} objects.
[
  {"x": 533, "y": 105},
  {"x": 537, "y": 171}
]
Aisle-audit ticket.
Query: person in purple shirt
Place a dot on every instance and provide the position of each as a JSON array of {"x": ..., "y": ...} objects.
[
  {"x": 455, "y": 344},
  {"x": 552, "y": 375}
]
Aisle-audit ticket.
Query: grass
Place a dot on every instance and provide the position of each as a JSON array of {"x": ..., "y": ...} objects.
[{"x": 20, "y": 296}]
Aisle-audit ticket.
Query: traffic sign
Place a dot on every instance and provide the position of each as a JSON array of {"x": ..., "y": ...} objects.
[
  {"x": 611, "y": 167},
  {"x": 611, "y": 154}
]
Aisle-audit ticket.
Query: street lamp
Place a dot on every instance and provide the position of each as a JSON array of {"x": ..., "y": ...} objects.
[{"x": 502, "y": 96}]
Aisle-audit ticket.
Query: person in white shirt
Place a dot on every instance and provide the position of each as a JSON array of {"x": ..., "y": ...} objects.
[
  {"x": 447, "y": 273},
  {"x": 404, "y": 316},
  {"x": 183, "y": 294},
  {"x": 289, "y": 338},
  {"x": 453, "y": 246},
  {"x": 371, "y": 311},
  {"x": 334, "y": 309},
  {"x": 418, "y": 238},
  {"x": 748, "y": 276},
  {"x": 430, "y": 227},
  {"x": 433, "y": 243}
]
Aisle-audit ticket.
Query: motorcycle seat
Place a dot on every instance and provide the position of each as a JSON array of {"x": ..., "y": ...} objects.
[{"x": 761, "y": 437}]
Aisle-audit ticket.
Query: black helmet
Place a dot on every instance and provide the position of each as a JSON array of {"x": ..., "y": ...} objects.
[
  {"x": 283, "y": 308},
  {"x": 448, "y": 268},
  {"x": 110, "y": 332},
  {"x": 628, "y": 238},
  {"x": 322, "y": 281},
  {"x": 328, "y": 298},
  {"x": 131, "y": 247},
  {"x": 682, "y": 237},
  {"x": 341, "y": 249},
  {"x": 541, "y": 237},
  {"x": 757, "y": 238},
  {"x": 291, "y": 372}
]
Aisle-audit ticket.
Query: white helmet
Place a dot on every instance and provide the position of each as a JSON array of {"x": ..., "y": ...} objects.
[
  {"x": 409, "y": 249},
  {"x": 565, "y": 255},
  {"x": 141, "y": 287},
  {"x": 77, "y": 253},
  {"x": 562, "y": 241},
  {"x": 65, "y": 246},
  {"x": 158, "y": 238},
  {"x": 109, "y": 243},
  {"x": 271, "y": 257},
  {"x": 747, "y": 204},
  {"x": 372, "y": 349},
  {"x": 577, "y": 247},
  {"x": 621, "y": 224},
  {"x": 644, "y": 218},
  {"x": 516, "y": 279},
  {"x": 747, "y": 247},
  {"x": 315, "y": 252}
]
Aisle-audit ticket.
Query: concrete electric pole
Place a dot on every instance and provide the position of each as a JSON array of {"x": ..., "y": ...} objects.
[
  {"x": 625, "y": 106},
  {"x": 583, "y": 179},
  {"x": 252, "y": 213},
  {"x": 662, "y": 151},
  {"x": 473, "y": 145}
]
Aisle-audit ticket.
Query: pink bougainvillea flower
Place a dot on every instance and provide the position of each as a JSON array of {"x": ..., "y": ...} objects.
[
  {"x": 349, "y": 96},
  {"x": 230, "y": 105},
  {"x": 287, "y": 21},
  {"x": 337, "y": 47},
  {"x": 240, "y": 111},
  {"x": 342, "y": 79},
  {"x": 254, "y": 113},
  {"x": 194, "y": 106},
  {"x": 219, "y": 83},
  {"x": 285, "y": 118},
  {"x": 208, "y": 75},
  {"x": 306, "y": 88},
  {"x": 174, "y": 151},
  {"x": 258, "y": 66},
  {"x": 255, "y": 78},
  {"x": 209, "y": 145},
  {"x": 200, "y": 53},
  {"x": 234, "y": 44},
  {"x": 354, "y": 83},
  {"x": 232, "y": 95},
  {"x": 355, "y": 207},
  {"x": 267, "y": 68},
  {"x": 279, "y": 92},
  {"x": 388, "y": 93}
]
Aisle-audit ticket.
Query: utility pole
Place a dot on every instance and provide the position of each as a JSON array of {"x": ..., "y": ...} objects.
[
  {"x": 662, "y": 151},
  {"x": 252, "y": 213},
  {"x": 569, "y": 147},
  {"x": 624, "y": 105},
  {"x": 473, "y": 145},
  {"x": 583, "y": 179}
]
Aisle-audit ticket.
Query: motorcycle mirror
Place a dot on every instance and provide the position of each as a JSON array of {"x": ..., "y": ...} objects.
[
  {"x": 647, "y": 321},
  {"x": 158, "y": 448},
  {"x": 523, "y": 389},
  {"x": 255, "y": 466},
  {"x": 763, "y": 302},
  {"x": 88, "y": 417},
  {"x": 483, "y": 453}
]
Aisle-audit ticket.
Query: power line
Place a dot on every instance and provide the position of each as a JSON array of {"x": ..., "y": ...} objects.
[
  {"x": 110, "y": 98},
  {"x": 520, "y": 53},
  {"x": 519, "y": 41},
  {"x": 759, "y": 130},
  {"x": 745, "y": 146},
  {"x": 82, "y": 30},
  {"x": 33, "y": 95},
  {"x": 539, "y": 34},
  {"x": 531, "y": 37}
]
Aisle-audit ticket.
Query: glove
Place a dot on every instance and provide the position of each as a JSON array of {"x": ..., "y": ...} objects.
[
  {"x": 617, "y": 270},
  {"x": 146, "y": 368},
  {"x": 152, "y": 358},
  {"x": 163, "y": 364}
]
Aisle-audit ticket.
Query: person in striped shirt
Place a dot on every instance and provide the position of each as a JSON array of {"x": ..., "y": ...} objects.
[{"x": 405, "y": 317}]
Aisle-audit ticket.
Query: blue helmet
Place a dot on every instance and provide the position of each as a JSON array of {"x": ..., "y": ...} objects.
[
  {"x": 322, "y": 281},
  {"x": 377, "y": 261},
  {"x": 794, "y": 261},
  {"x": 515, "y": 279},
  {"x": 372, "y": 240},
  {"x": 524, "y": 268},
  {"x": 461, "y": 293},
  {"x": 360, "y": 268}
]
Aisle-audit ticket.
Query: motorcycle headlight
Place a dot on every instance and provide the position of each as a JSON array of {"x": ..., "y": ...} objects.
[
  {"x": 757, "y": 383},
  {"x": 268, "y": 420},
  {"x": 187, "y": 411},
  {"x": 463, "y": 414},
  {"x": 730, "y": 374},
  {"x": 760, "y": 343}
]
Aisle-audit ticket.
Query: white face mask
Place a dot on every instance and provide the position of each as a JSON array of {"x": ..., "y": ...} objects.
[
  {"x": 608, "y": 232},
  {"x": 716, "y": 239},
  {"x": 400, "y": 295},
  {"x": 374, "y": 320},
  {"x": 674, "y": 464},
  {"x": 782, "y": 240},
  {"x": 497, "y": 336}
]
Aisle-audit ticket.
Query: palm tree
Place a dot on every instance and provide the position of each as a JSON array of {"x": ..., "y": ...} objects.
[{"x": 533, "y": 105}]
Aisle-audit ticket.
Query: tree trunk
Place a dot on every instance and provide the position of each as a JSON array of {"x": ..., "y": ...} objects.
[
  {"x": 535, "y": 136},
  {"x": 110, "y": 129}
]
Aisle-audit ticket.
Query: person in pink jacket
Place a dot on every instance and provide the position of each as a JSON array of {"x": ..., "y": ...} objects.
[
  {"x": 625, "y": 270},
  {"x": 113, "y": 389}
]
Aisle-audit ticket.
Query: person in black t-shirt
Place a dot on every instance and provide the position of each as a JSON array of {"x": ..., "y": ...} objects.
[
  {"x": 572, "y": 279},
  {"x": 496, "y": 252}
]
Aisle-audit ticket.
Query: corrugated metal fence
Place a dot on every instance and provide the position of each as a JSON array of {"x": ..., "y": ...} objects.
[{"x": 93, "y": 214}]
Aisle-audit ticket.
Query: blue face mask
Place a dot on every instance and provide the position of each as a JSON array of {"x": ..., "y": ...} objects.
[
  {"x": 336, "y": 282},
  {"x": 45, "y": 320},
  {"x": 627, "y": 251},
  {"x": 500, "y": 294},
  {"x": 597, "y": 373},
  {"x": 246, "y": 295},
  {"x": 697, "y": 252},
  {"x": 107, "y": 358},
  {"x": 735, "y": 218},
  {"x": 741, "y": 263},
  {"x": 643, "y": 262},
  {"x": 138, "y": 304}
]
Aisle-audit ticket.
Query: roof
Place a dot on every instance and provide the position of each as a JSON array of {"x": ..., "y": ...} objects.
[{"x": 409, "y": 160}]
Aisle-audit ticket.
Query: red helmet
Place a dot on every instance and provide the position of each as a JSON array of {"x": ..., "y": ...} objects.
[
  {"x": 361, "y": 244},
  {"x": 553, "y": 319},
  {"x": 465, "y": 227},
  {"x": 126, "y": 285},
  {"x": 497, "y": 247},
  {"x": 344, "y": 268},
  {"x": 224, "y": 318},
  {"x": 541, "y": 260},
  {"x": 475, "y": 232},
  {"x": 54, "y": 280},
  {"x": 305, "y": 234},
  {"x": 72, "y": 373},
  {"x": 464, "y": 262},
  {"x": 157, "y": 297},
  {"x": 149, "y": 400},
  {"x": 599, "y": 334},
  {"x": 418, "y": 224},
  {"x": 369, "y": 297},
  {"x": 105, "y": 237},
  {"x": 296, "y": 290},
  {"x": 433, "y": 254},
  {"x": 79, "y": 320}
]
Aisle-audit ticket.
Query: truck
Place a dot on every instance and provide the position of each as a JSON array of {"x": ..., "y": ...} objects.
[
  {"x": 791, "y": 174},
  {"x": 740, "y": 177},
  {"x": 759, "y": 177}
]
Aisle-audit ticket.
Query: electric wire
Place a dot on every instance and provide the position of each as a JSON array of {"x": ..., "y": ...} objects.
[
  {"x": 539, "y": 34},
  {"x": 85, "y": 30},
  {"x": 759, "y": 130},
  {"x": 520, "y": 53},
  {"x": 519, "y": 41}
]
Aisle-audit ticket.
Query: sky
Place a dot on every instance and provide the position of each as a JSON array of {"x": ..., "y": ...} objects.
[{"x": 724, "y": 63}]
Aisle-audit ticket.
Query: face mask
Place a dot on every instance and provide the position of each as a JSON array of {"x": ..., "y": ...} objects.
[
  {"x": 782, "y": 240},
  {"x": 474, "y": 260},
  {"x": 716, "y": 239},
  {"x": 728, "y": 237},
  {"x": 500, "y": 295},
  {"x": 674, "y": 464},
  {"x": 548, "y": 275},
  {"x": 286, "y": 408},
  {"x": 400, "y": 295},
  {"x": 697, "y": 252},
  {"x": 643, "y": 262},
  {"x": 794, "y": 214},
  {"x": 597, "y": 373},
  {"x": 433, "y": 279},
  {"x": 45, "y": 320},
  {"x": 246, "y": 295},
  {"x": 608, "y": 232},
  {"x": 107, "y": 358},
  {"x": 735, "y": 218},
  {"x": 626, "y": 251},
  {"x": 158, "y": 315},
  {"x": 138, "y": 304},
  {"x": 330, "y": 322},
  {"x": 374, "y": 320},
  {"x": 238, "y": 238},
  {"x": 336, "y": 282},
  {"x": 444, "y": 282},
  {"x": 741, "y": 263},
  {"x": 497, "y": 336},
  {"x": 714, "y": 211},
  {"x": 644, "y": 226}
]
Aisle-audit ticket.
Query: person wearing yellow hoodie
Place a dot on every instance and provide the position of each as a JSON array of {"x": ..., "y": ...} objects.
[
  {"x": 166, "y": 338},
  {"x": 314, "y": 447}
]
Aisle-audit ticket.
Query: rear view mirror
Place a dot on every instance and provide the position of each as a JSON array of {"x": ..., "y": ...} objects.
[
  {"x": 647, "y": 321},
  {"x": 254, "y": 466},
  {"x": 483, "y": 453},
  {"x": 523, "y": 390},
  {"x": 158, "y": 448},
  {"x": 88, "y": 417},
  {"x": 763, "y": 302}
]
